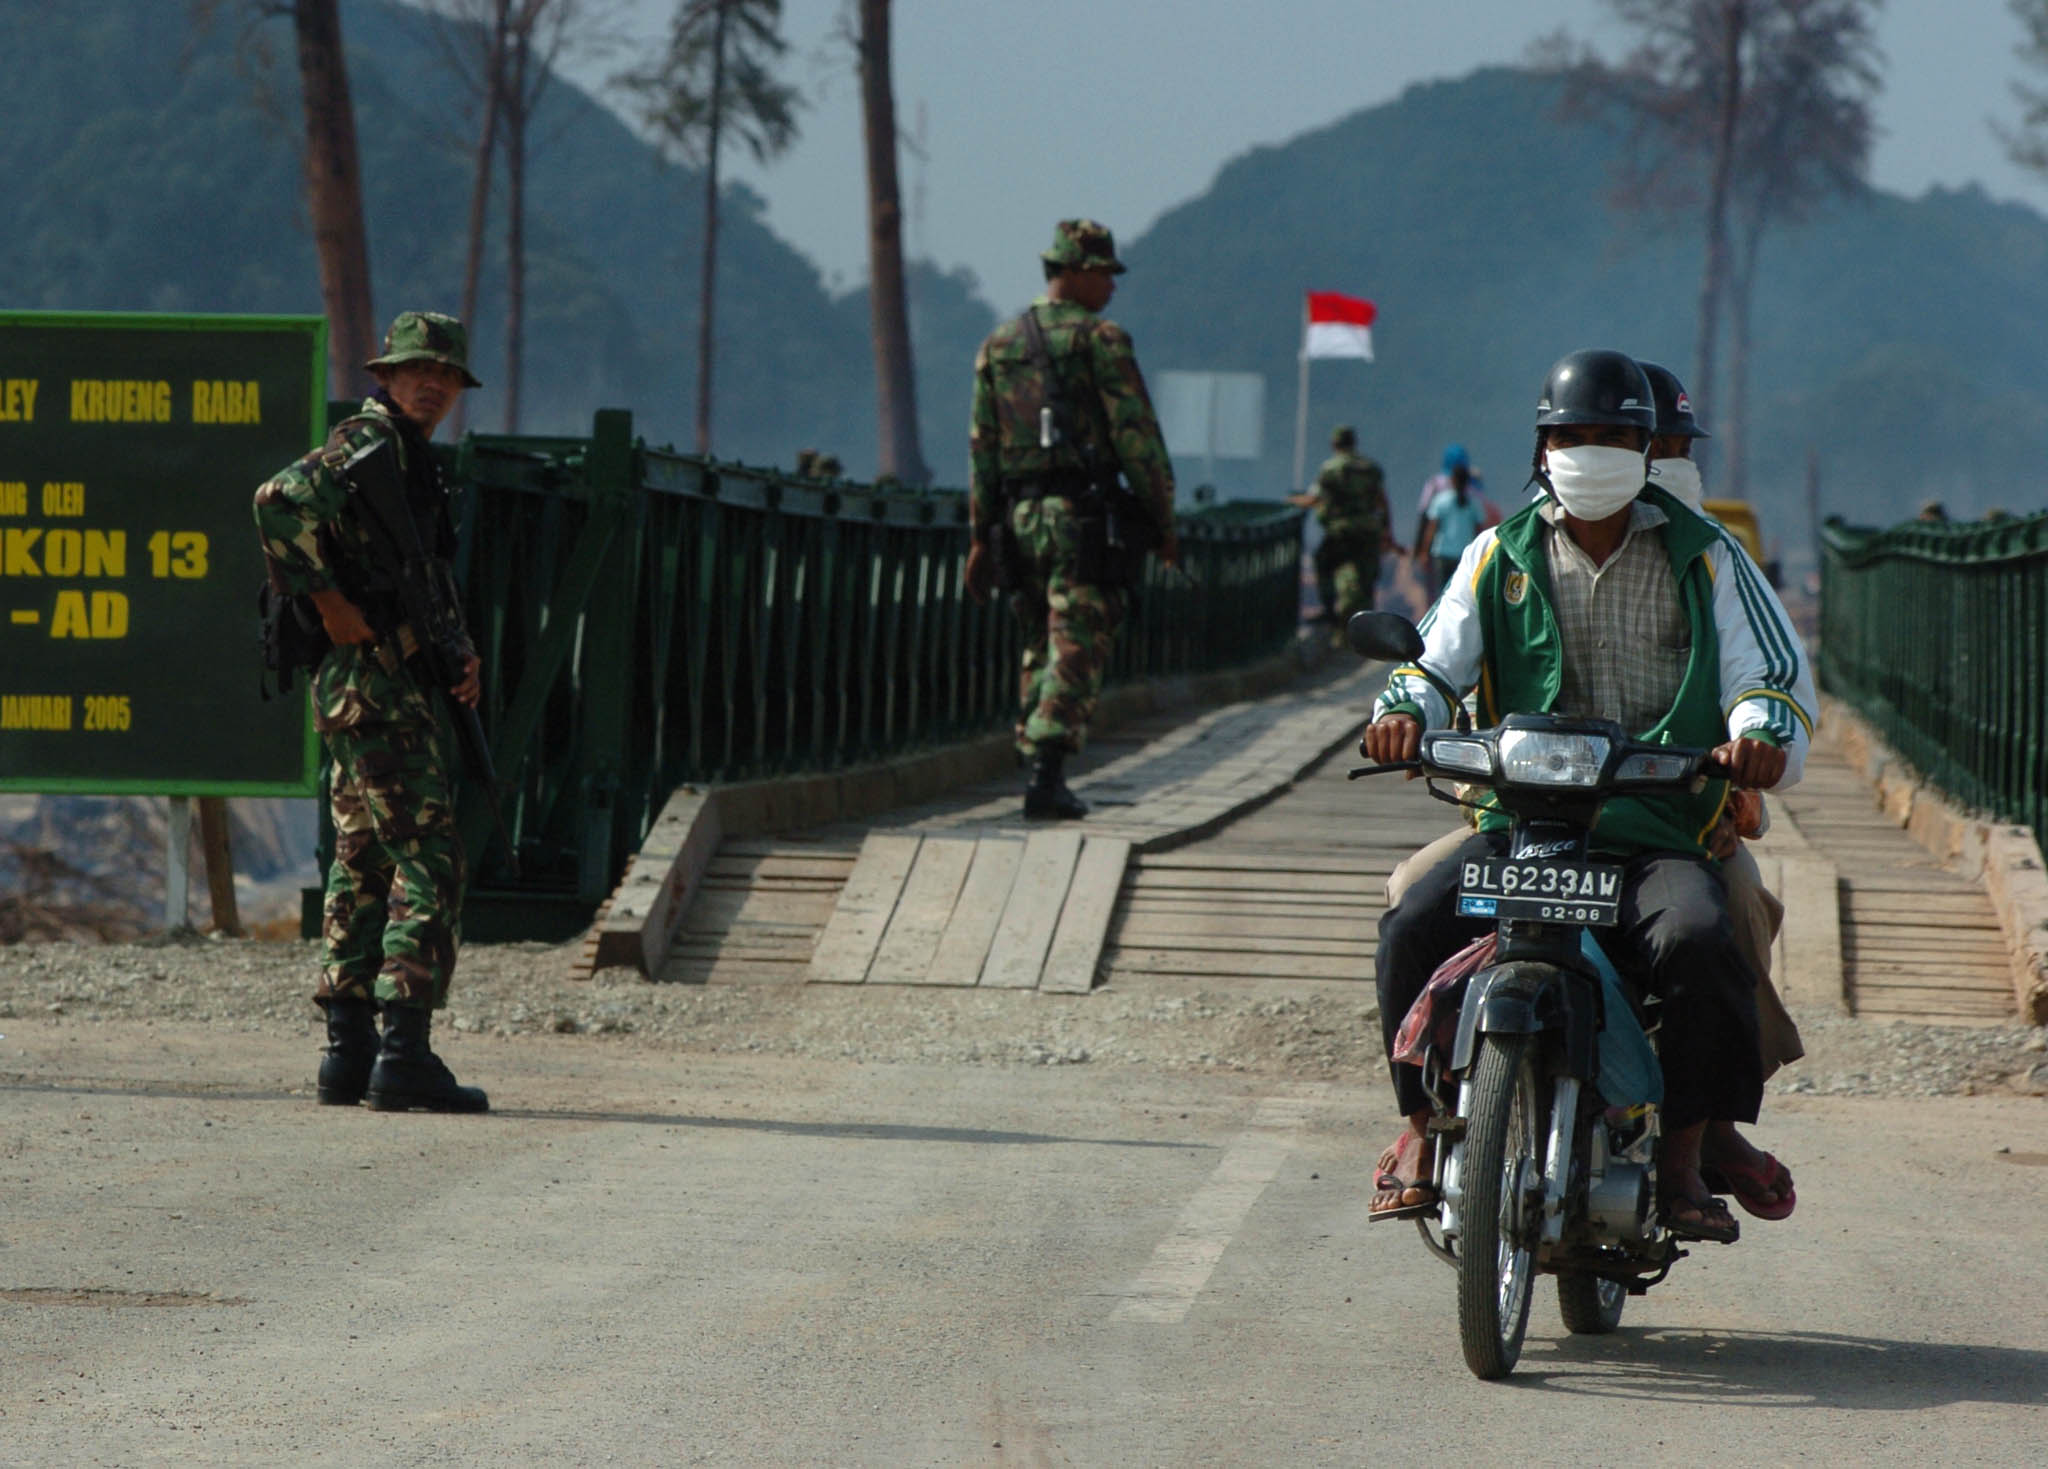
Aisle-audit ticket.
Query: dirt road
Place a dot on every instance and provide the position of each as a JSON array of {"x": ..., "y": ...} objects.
[{"x": 654, "y": 1252}]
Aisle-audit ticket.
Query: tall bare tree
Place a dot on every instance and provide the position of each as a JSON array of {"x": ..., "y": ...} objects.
[
  {"x": 472, "y": 37},
  {"x": 2027, "y": 144},
  {"x": 716, "y": 76},
  {"x": 888, "y": 303},
  {"x": 1807, "y": 136},
  {"x": 333, "y": 174},
  {"x": 504, "y": 53},
  {"x": 1751, "y": 111}
]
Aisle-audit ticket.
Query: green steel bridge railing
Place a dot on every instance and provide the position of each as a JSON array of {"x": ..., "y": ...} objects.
[
  {"x": 649, "y": 619},
  {"x": 1938, "y": 634}
]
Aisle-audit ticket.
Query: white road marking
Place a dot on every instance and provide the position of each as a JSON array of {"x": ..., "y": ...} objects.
[{"x": 1181, "y": 1266}]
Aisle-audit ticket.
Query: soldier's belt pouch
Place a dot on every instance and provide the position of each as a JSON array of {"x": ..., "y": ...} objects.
[
  {"x": 1102, "y": 558},
  {"x": 293, "y": 637},
  {"x": 1112, "y": 539}
]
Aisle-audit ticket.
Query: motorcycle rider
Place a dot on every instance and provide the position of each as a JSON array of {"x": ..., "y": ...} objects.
[{"x": 1608, "y": 597}]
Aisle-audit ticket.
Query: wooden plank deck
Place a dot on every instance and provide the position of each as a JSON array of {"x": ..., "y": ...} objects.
[
  {"x": 1292, "y": 889},
  {"x": 1918, "y": 942}
]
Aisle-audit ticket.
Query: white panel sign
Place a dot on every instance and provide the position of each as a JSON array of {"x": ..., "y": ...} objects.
[{"x": 1212, "y": 415}]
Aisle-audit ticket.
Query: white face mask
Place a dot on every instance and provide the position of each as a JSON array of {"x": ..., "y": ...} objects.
[
  {"x": 1680, "y": 477},
  {"x": 1594, "y": 481}
]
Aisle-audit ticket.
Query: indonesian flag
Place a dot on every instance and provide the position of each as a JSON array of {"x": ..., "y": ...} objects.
[{"x": 1338, "y": 326}]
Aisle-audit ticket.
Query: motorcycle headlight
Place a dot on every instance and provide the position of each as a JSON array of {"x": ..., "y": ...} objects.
[
  {"x": 1471, "y": 756},
  {"x": 1543, "y": 758}
]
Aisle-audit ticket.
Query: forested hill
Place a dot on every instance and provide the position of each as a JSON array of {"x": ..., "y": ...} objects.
[
  {"x": 1898, "y": 340},
  {"x": 151, "y": 166}
]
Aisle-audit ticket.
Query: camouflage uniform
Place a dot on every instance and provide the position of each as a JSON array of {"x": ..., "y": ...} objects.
[
  {"x": 1069, "y": 624},
  {"x": 394, "y": 894},
  {"x": 1351, "y": 503}
]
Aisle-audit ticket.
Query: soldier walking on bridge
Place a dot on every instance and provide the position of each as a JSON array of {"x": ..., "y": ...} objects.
[
  {"x": 394, "y": 893},
  {"x": 1350, "y": 499},
  {"x": 1071, "y": 486}
]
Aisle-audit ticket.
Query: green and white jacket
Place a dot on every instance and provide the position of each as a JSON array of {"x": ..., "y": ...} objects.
[{"x": 1494, "y": 629}]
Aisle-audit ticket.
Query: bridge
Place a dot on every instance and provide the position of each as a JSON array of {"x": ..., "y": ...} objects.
[{"x": 757, "y": 735}]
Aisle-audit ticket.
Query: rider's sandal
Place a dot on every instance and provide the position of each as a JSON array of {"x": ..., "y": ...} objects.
[
  {"x": 1710, "y": 1221},
  {"x": 1386, "y": 1181}
]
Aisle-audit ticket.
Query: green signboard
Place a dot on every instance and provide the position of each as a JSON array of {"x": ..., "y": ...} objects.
[{"x": 130, "y": 447}]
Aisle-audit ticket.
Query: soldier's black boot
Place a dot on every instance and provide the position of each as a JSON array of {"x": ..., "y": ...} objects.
[
  {"x": 409, "y": 1075},
  {"x": 351, "y": 1051},
  {"x": 1047, "y": 797}
]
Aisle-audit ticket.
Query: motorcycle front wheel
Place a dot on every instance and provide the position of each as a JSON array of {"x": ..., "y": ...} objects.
[{"x": 1502, "y": 1214}]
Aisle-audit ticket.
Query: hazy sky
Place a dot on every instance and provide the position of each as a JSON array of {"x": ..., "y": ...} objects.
[{"x": 1035, "y": 109}]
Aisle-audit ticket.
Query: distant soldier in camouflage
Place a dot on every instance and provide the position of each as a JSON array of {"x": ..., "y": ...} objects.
[
  {"x": 1053, "y": 427},
  {"x": 1350, "y": 499},
  {"x": 394, "y": 893}
]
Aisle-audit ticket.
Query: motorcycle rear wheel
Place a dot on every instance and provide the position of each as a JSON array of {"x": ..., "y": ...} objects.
[
  {"x": 1503, "y": 1176},
  {"x": 1590, "y": 1305}
]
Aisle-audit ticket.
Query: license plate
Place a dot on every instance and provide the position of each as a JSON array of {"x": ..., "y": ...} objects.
[{"x": 1547, "y": 888}]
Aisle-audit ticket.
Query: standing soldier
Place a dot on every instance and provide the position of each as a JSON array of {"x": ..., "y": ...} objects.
[
  {"x": 1060, "y": 413},
  {"x": 1350, "y": 499},
  {"x": 394, "y": 893}
]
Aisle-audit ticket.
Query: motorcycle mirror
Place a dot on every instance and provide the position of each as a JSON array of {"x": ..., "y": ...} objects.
[{"x": 1387, "y": 636}]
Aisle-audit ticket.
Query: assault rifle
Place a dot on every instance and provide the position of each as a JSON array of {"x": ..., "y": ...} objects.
[{"x": 427, "y": 603}]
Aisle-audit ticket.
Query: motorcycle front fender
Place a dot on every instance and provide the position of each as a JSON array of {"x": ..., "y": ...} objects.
[{"x": 1523, "y": 997}]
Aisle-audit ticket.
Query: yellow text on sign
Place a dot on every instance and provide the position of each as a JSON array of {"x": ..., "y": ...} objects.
[
  {"x": 178, "y": 553},
  {"x": 18, "y": 399},
  {"x": 63, "y": 497},
  {"x": 33, "y": 551},
  {"x": 120, "y": 400},
  {"x": 13, "y": 497},
  {"x": 226, "y": 402},
  {"x": 35, "y": 711},
  {"x": 104, "y": 616}
]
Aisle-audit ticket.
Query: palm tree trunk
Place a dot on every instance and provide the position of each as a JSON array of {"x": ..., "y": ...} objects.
[
  {"x": 1741, "y": 284},
  {"x": 1714, "y": 272},
  {"x": 334, "y": 196},
  {"x": 706, "y": 286},
  {"x": 480, "y": 188},
  {"x": 895, "y": 376},
  {"x": 516, "y": 99}
]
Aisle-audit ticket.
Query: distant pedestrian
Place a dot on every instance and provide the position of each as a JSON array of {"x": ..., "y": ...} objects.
[
  {"x": 1457, "y": 473},
  {"x": 1452, "y": 519},
  {"x": 1070, "y": 487},
  {"x": 1350, "y": 501}
]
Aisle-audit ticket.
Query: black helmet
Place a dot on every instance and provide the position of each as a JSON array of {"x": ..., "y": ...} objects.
[
  {"x": 1674, "y": 408},
  {"x": 1597, "y": 387}
]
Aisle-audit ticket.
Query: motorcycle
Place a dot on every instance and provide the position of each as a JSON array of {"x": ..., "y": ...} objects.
[{"x": 1546, "y": 1119}]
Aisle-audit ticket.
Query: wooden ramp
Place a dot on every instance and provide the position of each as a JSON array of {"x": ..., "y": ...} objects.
[
  {"x": 1918, "y": 942},
  {"x": 995, "y": 911},
  {"x": 1292, "y": 891}
]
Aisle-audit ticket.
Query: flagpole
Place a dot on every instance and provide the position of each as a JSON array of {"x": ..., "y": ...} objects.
[{"x": 1301, "y": 405}]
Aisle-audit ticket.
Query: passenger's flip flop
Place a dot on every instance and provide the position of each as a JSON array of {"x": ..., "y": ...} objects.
[
  {"x": 1748, "y": 1185},
  {"x": 1385, "y": 1181},
  {"x": 1701, "y": 1219}
]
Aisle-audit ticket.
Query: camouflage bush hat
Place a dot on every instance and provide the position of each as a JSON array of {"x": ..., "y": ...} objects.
[
  {"x": 1343, "y": 436},
  {"x": 1083, "y": 244},
  {"x": 426, "y": 336}
]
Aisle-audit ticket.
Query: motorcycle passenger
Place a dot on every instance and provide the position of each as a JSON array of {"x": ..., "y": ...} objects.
[
  {"x": 1760, "y": 1183},
  {"x": 1609, "y": 598}
]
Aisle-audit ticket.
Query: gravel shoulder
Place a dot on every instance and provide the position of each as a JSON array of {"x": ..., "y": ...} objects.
[{"x": 521, "y": 993}]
